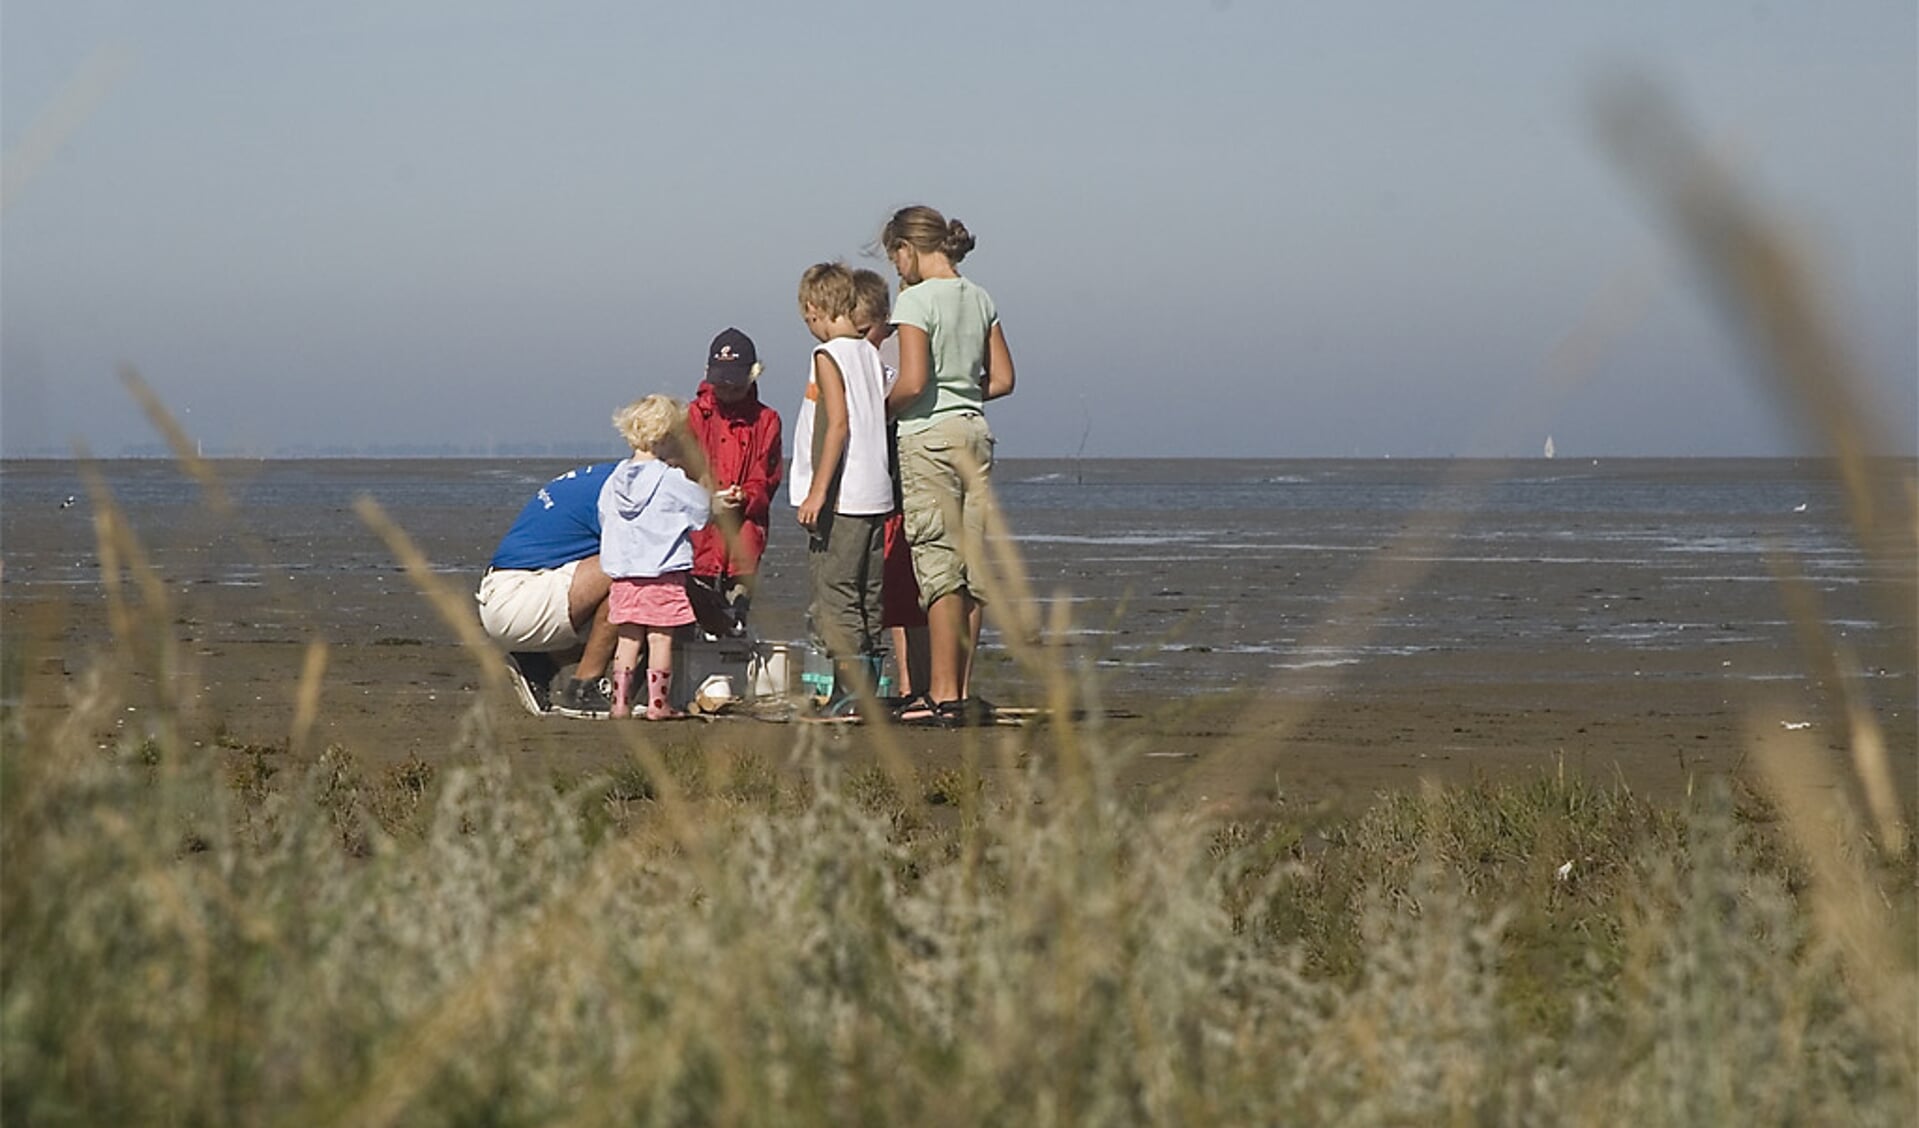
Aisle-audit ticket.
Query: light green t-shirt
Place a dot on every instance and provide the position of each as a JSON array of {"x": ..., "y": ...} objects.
[{"x": 956, "y": 316}]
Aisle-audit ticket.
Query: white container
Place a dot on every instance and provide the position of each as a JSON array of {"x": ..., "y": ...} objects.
[{"x": 770, "y": 671}]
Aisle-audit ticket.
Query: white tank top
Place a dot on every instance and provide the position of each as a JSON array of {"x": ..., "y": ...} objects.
[{"x": 866, "y": 487}]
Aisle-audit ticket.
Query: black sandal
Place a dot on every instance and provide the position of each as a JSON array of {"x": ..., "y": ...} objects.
[
  {"x": 915, "y": 710},
  {"x": 980, "y": 711}
]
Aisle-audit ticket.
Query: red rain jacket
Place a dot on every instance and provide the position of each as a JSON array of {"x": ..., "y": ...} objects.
[{"x": 743, "y": 448}]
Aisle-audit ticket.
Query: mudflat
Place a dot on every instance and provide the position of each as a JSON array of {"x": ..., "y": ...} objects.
[{"x": 1336, "y": 662}]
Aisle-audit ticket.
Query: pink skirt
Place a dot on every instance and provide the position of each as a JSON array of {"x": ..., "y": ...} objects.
[{"x": 651, "y": 601}]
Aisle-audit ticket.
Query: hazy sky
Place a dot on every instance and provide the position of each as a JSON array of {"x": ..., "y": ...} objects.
[{"x": 1247, "y": 228}]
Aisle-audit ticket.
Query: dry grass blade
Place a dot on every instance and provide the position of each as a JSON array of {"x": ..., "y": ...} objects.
[
  {"x": 72, "y": 106},
  {"x": 110, "y": 532},
  {"x": 1769, "y": 294},
  {"x": 120, "y": 548},
  {"x": 1834, "y": 665},
  {"x": 455, "y": 608},
  {"x": 184, "y": 448},
  {"x": 995, "y": 555},
  {"x": 1847, "y": 904},
  {"x": 145, "y": 630},
  {"x": 1406, "y": 560},
  {"x": 306, "y": 702},
  {"x": 203, "y": 472}
]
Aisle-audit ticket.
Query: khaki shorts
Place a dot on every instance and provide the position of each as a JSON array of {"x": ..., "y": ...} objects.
[
  {"x": 527, "y": 608},
  {"x": 945, "y": 506}
]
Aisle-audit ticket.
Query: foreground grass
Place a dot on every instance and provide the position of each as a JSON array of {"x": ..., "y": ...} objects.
[{"x": 233, "y": 938}]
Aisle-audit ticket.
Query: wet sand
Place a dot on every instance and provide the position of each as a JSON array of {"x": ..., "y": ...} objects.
[
  {"x": 245, "y": 597},
  {"x": 1337, "y": 746}
]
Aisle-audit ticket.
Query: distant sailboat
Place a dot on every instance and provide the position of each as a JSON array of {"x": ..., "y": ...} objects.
[{"x": 1549, "y": 446}]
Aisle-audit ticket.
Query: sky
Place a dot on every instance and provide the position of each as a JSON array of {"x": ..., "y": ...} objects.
[{"x": 1247, "y": 229}]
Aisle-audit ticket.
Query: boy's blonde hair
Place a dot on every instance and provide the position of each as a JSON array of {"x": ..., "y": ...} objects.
[
  {"x": 872, "y": 299},
  {"x": 828, "y": 287},
  {"x": 652, "y": 423}
]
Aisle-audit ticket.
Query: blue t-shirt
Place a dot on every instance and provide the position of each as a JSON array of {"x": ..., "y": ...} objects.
[{"x": 560, "y": 525}]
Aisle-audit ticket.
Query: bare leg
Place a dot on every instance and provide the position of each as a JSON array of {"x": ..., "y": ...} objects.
[
  {"x": 975, "y": 617},
  {"x": 910, "y": 654},
  {"x": 600, "y": 637},
  {"x": 946, "y": 630},
  {"x": 659, "y": 649},
  {"x": 896, "y": 638},
  {"x": 586, "y": 605}
]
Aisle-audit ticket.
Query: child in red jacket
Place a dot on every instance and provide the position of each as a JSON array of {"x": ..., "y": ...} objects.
[{"x": 740, "y": 437}]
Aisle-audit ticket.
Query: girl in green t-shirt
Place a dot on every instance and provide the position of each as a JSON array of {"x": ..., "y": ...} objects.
[{"x": 953, "y": 358}]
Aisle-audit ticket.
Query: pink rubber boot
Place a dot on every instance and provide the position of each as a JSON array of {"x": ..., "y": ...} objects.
[
  {"x": 659, "y": 688},
  {"x": 623, "y": 693}
]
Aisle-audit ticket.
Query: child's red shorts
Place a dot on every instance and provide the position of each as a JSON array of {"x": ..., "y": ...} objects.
[{"x": 900, "y": 593}]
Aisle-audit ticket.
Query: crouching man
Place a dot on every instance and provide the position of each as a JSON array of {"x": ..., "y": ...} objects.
[{"x": 544, "y": 598}]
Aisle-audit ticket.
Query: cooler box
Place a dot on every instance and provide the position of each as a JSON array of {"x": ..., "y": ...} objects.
[
  {"x": 756, "y": 670},
  {"x": 696, "y": 660}
]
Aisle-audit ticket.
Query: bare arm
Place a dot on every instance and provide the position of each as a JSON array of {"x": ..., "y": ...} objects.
[
  {"x": 999, "y": 364},
  {"x": 836, "y": 430},
  {"x": 916, "y": 368}
]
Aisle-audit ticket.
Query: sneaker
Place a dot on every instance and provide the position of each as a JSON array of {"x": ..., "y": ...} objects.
[
  {"x": 588, "y": 699},
  {"x": 531, "y": 675}
]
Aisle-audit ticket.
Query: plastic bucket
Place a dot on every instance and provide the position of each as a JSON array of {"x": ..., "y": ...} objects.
[{"x": 770, "y": 671}]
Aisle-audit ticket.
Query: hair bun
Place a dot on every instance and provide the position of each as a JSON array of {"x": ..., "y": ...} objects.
[{"x": 959, "y": 241}]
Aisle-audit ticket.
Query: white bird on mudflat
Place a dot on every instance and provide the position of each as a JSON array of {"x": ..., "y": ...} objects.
[{"x": 68, "y": 504}]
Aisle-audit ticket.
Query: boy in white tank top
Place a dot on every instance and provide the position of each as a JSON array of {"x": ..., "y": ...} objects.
[{"x": 844, "y": 501}]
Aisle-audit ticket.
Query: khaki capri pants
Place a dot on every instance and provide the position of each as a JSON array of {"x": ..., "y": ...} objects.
[{"x": 946, "y": 493}]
